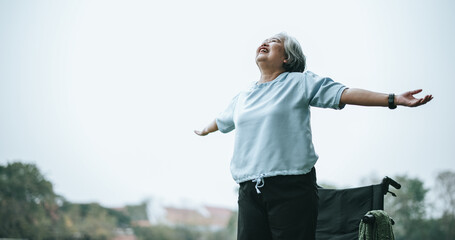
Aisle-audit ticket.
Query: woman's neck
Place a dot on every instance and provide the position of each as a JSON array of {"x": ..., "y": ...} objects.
[{"x": 269, "y": 76}]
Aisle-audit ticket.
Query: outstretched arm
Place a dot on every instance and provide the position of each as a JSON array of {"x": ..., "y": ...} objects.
[
  {"x": 212, "y": 127},
  {"x": 362, "y": 97}
]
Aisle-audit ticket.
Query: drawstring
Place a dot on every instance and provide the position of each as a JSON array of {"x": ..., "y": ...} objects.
[{"x": 259, "y": 183}]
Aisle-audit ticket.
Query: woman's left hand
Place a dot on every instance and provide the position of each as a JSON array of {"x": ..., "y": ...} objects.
[{"x": 408, "y": 99}]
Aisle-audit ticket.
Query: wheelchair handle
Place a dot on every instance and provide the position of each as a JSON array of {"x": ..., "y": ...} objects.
[
  {"x": 392, "y": 182},
  {"x": 386, "y": 182}
]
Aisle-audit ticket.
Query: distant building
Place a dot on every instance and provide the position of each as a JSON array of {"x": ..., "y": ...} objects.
[{"x": 188, "y": 213}]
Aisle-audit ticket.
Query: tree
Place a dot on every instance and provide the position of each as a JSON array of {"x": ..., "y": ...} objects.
[
  {"x": 88, "y": 221},
  {"x": 138, "y": 212},
  {"x": 445, "y": 188},
  {"x": 408, "y": 209},
  {"x": 30, "y": 209},
  {"x": 28, "y": 204}
]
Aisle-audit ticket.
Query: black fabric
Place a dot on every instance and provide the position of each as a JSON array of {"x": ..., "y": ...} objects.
[
  {"x": 286, "y": 208},
  {"x": 340, "y": 211}
]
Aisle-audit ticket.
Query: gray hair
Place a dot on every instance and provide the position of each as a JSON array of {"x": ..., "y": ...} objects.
[{"x": 296, "y": 61}]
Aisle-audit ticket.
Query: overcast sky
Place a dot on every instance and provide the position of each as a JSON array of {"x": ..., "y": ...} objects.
[{"x": 104, "y": 95}]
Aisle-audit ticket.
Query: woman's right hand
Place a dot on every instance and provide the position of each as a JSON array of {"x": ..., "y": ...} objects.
[
  {"x": 201, "y": 133},
  {"x": 212, "y": 127}
]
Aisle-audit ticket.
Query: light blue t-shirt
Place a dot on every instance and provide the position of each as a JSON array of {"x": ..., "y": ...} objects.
[{"x": 272, "y": 122}]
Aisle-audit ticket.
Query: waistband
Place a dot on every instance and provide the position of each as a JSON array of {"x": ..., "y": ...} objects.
[{"x": 260, "y": 181}]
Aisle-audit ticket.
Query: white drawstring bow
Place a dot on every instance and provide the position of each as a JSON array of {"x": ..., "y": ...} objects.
[{"x": 259, "y": 183}]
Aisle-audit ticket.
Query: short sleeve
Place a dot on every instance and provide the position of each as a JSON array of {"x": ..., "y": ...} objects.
[
  {"x": 225, "y": 120},
  {"x": 323, "y": 91}
]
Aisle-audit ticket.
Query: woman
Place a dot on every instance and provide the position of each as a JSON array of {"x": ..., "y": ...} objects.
[{"x": 274, "y": 156}]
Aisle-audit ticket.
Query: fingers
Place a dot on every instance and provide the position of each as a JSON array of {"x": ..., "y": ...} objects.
[
  {"x": 427, "y": 98},
  {"x": 415, "y": 102},
  {"x": 415, "y": 91},
  {"x": 422, "y": 101},
  {"x": 200, "y": 133}
]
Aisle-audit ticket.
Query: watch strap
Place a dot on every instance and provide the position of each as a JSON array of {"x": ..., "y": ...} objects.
[{"x": 391, "y": 101}]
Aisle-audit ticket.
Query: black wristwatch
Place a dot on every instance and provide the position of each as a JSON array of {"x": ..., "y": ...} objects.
[{"x": 392, "y": 104}]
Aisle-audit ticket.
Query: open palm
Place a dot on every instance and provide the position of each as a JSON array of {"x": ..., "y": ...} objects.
[{"x": 408, "y": 99}]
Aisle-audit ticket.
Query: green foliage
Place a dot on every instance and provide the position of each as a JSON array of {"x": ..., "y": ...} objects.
[
  {"x": 161, "y": 232},
  {"x": 447, "y": 226},
  {"x": 137, "y": 212},
  {"x": 410, "y": 203},
  {"x": 409, "y": 209},
  {"x": 182, "y": 232},
  {"x": 28, "y": 204},
  {"x": 30, "y": 209},
  {"x": 123, "y": 220},
  {"x": 445, "y": 187},
  {"x": 88, "y": 221}
]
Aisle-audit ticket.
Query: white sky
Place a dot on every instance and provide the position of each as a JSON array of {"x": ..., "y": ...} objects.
[{"x": 104, "y": 95}]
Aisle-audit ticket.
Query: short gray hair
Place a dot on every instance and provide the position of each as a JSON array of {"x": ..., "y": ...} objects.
[{"x": 296, "y": 61}]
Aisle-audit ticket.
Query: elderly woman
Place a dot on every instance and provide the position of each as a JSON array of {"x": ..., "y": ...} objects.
[{"x": 274, "y": 156}]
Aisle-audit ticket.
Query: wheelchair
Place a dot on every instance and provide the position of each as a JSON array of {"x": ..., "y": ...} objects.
[{"x": 341, "y": 210}]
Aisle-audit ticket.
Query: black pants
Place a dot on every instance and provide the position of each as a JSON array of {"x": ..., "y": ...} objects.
[{"x": 286, "y": 208}]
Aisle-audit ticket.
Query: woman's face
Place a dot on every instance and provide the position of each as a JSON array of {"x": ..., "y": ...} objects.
[{"x": 271, "y": 51}]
